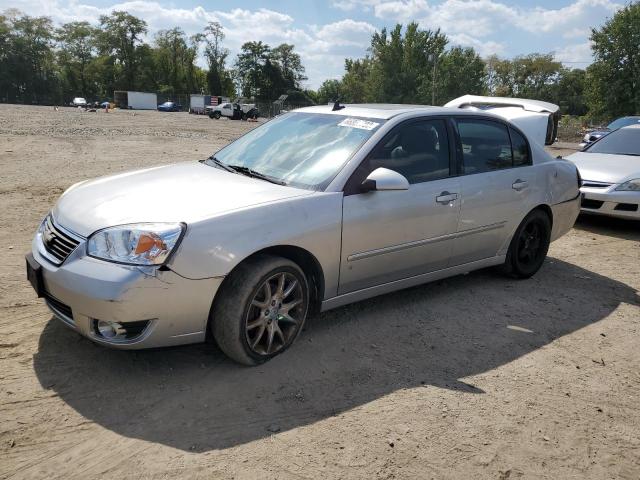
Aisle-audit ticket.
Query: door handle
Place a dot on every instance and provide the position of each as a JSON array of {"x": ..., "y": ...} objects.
[
  {"x": 520, "y": 185},
  {"x": 445, "y": 198}
]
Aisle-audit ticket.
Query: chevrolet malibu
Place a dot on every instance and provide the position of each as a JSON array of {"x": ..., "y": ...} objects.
[{"x": 312, "y": 210}]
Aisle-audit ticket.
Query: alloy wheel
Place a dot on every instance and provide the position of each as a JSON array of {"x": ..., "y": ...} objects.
[
  {"x": 530, "y": 244},
  {"x": 275, "y": 314}
]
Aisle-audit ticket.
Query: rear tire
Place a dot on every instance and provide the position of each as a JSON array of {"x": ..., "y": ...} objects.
[
  {"x": 260, "y": 310},
  {"x": 529, "y": 245}
]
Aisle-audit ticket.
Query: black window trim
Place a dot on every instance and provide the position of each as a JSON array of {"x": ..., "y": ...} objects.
[
  {"x": 352, "y": 185},
  {"x": 507, "y": 125}
]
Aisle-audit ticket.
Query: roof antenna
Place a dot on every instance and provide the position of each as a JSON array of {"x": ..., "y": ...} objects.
[{"x": 337, "y": 106}]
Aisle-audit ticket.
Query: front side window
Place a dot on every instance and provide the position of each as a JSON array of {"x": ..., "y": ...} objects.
[
  {"x": 305, "y": 150},
  {"x": 418, "y": 150},
  {"x": 485, "y": 146}
]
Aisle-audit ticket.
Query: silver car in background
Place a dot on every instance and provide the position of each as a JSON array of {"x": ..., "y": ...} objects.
[
  {"x": 610, "y": 169},
  {"x": 314, "y": 209}
]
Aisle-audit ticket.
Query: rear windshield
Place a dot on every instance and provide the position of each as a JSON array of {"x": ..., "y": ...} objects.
[
  {"x": 304, "y": 150},
  {"x": 625, "y": 141}
]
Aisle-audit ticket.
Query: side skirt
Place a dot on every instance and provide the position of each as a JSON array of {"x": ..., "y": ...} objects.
[{"x": 365, "y": 293}]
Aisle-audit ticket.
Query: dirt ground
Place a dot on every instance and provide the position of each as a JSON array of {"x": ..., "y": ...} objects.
[{"x": 477, "y": 376}]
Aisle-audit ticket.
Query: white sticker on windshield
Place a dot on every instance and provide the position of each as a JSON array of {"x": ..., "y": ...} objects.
[{"x": 358, "y": 123}]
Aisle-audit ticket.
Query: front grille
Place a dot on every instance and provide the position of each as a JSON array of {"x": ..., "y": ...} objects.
[
  {"x": 592, "y": 204},
  {"x": 592, "y": 184},
  {"x": 60, "y": 307},
  {"x": 57, "y": 243},
  {"x": 627, "y": 207}
]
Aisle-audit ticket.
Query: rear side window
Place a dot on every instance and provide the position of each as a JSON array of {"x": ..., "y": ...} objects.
[
  {"x": 485, "y": 146},
  {"x": 520, "y": 149}
]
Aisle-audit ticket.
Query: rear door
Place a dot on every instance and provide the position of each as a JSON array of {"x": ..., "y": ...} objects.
[
  {"x": 496, "y": 180},
  {"x": 391, "y": 235}
]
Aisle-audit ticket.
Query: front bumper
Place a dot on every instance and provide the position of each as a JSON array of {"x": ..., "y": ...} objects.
[
  {"x": 608, "y": 201},
  {"x": 83, "y": 290}
]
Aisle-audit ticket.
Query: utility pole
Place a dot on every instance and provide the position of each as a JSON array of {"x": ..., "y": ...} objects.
[{"x": 432, "y": 57}]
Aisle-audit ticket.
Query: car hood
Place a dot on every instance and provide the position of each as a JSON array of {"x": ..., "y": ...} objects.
[
  {"x": 184, "y": 192},
  {"x": 603, "y": 167}
]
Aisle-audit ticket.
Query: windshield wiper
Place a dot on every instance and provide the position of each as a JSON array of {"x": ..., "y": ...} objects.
[
  {"x": 220, "y": 164},
  {"x": 252, "y": 173}
]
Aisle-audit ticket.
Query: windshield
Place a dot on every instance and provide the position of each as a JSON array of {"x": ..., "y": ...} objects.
[
  {"x": 304, "y": 150},
  {"x": 625, "y": 141},
  {"x": 623, "y": 122}
]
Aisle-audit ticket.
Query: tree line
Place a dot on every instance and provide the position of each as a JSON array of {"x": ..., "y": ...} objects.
[
  {"x": 409, "y": 65},
  {"x": 43, "y": 64}
]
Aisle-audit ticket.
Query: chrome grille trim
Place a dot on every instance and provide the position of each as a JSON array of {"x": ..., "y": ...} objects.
[{"x": 57, "y": 242}]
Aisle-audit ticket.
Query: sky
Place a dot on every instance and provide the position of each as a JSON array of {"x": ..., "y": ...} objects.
[{"x": 327, "y": 32}]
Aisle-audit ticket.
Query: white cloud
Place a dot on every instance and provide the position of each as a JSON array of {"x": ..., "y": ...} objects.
[
  {"x": 478, "y": 23},
  {"x": 400, "y": 10},
  {"x": 484, "y": 48},
  {"x": 323, "y": 48},
  {"x": 577, "y": 55}
]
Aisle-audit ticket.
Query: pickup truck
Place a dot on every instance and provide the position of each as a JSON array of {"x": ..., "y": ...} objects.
[{"x": 233, "y": 111}]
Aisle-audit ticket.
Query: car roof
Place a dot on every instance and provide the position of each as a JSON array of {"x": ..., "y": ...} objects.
[
  {"x": 634, "y": 125},
  {"x": 384, "y": 111}
]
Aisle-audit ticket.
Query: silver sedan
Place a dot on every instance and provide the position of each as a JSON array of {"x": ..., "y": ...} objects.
[
  {"x": 610, "y": 169},
  {"x": 312, "y": 210}
]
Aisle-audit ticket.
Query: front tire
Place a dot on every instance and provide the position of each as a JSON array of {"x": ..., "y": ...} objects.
[
  {"x": 529, "y": 245},
  {"x": 260, "y": 310}
]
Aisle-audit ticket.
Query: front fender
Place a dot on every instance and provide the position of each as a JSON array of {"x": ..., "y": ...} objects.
[{"x": 215, "y": 246}]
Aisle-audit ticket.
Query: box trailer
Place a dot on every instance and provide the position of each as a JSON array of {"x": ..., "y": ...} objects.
[
  {"x": 136, "y": 100},
  {"x": 198, "y": 103}
]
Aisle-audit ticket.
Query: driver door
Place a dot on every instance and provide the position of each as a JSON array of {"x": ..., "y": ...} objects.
[{"x": 392, "y": 235}]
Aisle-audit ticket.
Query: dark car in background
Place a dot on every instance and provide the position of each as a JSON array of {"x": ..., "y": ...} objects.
[
  {"x": 170, "y": 107},
  {"x": 618, "y": 123}
]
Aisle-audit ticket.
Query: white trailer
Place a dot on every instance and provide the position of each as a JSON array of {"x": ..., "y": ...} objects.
[
  {"x": 199, "y": 103},
  {"x": 537, "y": 119},
  {"x": 142, "y": 101}
]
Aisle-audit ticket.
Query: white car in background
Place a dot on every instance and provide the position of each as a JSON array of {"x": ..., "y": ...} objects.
[
  {"x": 79, "y": 102},
  {"x": 610, "y": 171}
]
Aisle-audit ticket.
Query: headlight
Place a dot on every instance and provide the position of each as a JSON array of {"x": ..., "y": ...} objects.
[
  {"x": 630, "y": 186},
  {"x": 136, "y": 244}
]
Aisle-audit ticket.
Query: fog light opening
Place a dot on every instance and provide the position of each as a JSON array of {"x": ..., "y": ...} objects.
[
  {"x": 117, "y": 332},
  {"x": 111, "y": 330}
]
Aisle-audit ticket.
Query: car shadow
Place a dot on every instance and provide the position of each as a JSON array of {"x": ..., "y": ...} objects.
[
  {"x": 193, "y": 398},
  {"x": 609, "y": 226}
]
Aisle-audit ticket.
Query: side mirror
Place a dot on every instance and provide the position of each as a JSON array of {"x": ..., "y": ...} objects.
[{"x": 384, "y": 179}]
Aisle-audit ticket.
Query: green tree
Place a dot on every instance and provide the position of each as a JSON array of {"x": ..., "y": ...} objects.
[
  {"x": 533, "y": 76},
  {"x": 120, "y": 40},
  {"x": 76, "y": 52},
  {"x": 614, "y": 77},
  {"x": 249, "y": 67},
  {"x": 400, "y": 70},
  {"x": 354, "y": 82},
  {"x": 329, "y": 91},
  {"x": 29, "y": 68},
  {"x": 289, "y": 63},
  {"x": 570, "y": 92},
  {"x": 460, "y": 71},
  {"x": 219, "y": 79}
]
